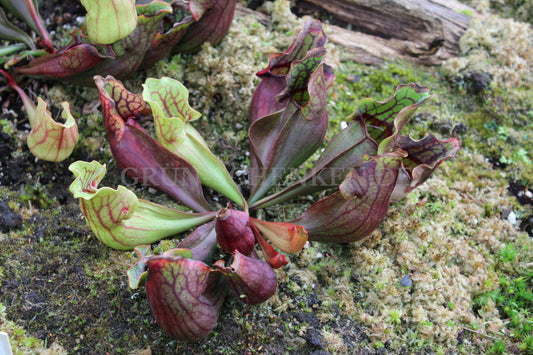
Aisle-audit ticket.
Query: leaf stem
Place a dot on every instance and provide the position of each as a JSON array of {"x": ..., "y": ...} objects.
[{"x": 47, "y": 42}]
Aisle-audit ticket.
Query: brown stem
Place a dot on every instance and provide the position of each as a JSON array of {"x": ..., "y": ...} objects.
[{"x": 481, "y": 334}]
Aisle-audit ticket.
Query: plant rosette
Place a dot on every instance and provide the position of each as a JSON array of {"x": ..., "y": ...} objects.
[{"x": 368, "y": 165}]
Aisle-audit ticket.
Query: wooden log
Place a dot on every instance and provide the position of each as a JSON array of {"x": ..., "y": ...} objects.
[{"x": 422, "y": 31}]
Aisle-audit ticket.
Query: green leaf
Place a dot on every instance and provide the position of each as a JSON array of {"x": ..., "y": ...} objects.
[
  {"x": 27, "y": 12},
  {"x": 108, "y": 21},
  {"x": 10, "y": 32},
  {"x": 168, "y": 99},
  {"x": 118, "y": 218},
  {"x": 172, "y": 98},
  {"x": 385, "y": 119},
  {"x": 138, "y": 154},
  {"x": 13, "y": 48},
  {"x": 137, "y": 272},
  {"x": 50, "y": 140}
]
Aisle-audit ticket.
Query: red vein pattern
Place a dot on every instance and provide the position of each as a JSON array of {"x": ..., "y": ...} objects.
[{"x": 183, "y": 296}]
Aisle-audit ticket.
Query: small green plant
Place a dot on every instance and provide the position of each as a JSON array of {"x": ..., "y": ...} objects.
[
  {"x": 503, "y": 132},
  {"x": 514, "y": 299},
  {"x": 498, "y": 347},
  {"x": 395, "y": 316},
  {"x": 522, "y": 155},
  {"x": 508, "y": 253},
  {"x": 37, "y": 195},
  {"x": 527, "y": 344},
  {"x": 379, "y": 345},
  {"x": 467, "y": 12}
]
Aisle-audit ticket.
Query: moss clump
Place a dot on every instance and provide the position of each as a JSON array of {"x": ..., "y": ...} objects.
[
  {"x": 512, "y": 299},
  {"x": 499, "y": 47},
  {"x": 493, "y": 74},
  {"x": 21, "y": 342},
  {"x": 521, "y": 10}
]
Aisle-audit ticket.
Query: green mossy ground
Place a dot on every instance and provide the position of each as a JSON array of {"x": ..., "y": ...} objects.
[{"x": 61, "y": 291}]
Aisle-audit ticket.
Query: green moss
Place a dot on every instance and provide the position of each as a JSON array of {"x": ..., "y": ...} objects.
[
  {"x": 37, "y": 194},
  {"x": 467, "y": 12},
  {"x": 21, "y": 342},
  {"x": 354, "y": 81},
  {"x": 7, "y": 126}
]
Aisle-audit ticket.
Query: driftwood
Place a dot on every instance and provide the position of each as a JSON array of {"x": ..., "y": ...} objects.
[{"x": 422, "y": 31}]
